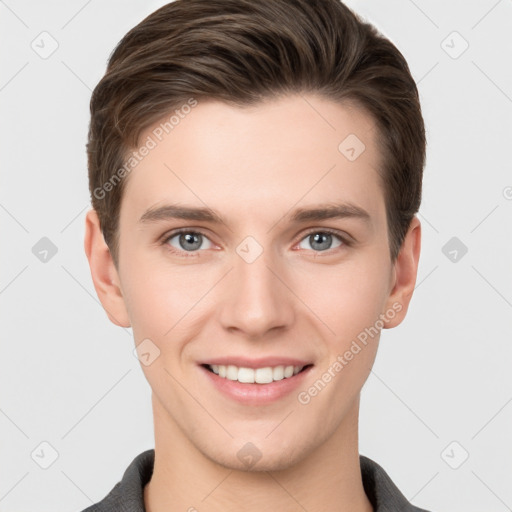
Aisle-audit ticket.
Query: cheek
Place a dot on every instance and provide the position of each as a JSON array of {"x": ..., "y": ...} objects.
[
  {"x": 161, "y": 305},
  {"x": 345, "y": 298},
  {"x": 158, "y": 302},
  {"x": 167, "y": 304},
  {"x": 351, "y": 309}
]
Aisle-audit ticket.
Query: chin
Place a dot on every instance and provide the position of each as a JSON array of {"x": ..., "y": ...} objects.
[{"x": 249, "y": 458}]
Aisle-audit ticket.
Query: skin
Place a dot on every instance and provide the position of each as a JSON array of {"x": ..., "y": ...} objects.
[{"x": 254, "y": 165}]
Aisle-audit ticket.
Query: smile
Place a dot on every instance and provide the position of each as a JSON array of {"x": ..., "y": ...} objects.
[{"x": 264, "y": 375}]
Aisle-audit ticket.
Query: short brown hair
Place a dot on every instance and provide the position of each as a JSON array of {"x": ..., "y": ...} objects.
[{"x": 242, "y": 52}]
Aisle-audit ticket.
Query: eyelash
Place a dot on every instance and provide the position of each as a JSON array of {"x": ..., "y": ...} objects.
[{"x": 192, "y": 254}]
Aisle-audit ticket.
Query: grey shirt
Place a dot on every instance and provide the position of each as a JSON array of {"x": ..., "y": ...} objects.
[{"x": 128, "y": 494}]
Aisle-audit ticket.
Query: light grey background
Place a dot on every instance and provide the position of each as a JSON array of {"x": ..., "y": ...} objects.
[{"x": 441, "y": 385}]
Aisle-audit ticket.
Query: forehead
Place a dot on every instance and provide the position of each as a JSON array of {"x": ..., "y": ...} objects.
[{"x": 259, "y": 159}]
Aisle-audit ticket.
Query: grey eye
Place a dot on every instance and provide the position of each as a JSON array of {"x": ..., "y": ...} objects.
[
  {"x": 188, "y": 241},
  {"x": 321, "y": 241}
]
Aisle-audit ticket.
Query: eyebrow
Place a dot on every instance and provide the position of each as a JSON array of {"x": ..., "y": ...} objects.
[{"x": 299, "y": 215}]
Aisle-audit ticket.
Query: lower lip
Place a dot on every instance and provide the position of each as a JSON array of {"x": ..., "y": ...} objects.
[{"x": 256, "y": 394}]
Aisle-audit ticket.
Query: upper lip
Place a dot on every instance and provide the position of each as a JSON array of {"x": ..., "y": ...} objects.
[{"x": 263, "y": 362}]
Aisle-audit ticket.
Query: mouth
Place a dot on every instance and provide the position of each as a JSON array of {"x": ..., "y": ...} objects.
[
  {"x": 256, "y": 381},
  {"x": 262, "y": 375}
]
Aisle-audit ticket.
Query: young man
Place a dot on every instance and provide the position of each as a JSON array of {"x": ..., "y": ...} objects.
[{"x": 255, "y": 168}]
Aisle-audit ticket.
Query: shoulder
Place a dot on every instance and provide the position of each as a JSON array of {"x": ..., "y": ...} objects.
[
  {"x": 382, "y": 492},
  {"x": 128, "y": 494}
]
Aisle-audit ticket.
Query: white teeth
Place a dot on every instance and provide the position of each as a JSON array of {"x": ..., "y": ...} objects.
[
  {"x": 260, "y": 375},
  {"x": 263, "y": 375},
  {"x": 278, "y": 373},
  {"x": 232, "y": 372},
  {"x": 245, "y": 375}
]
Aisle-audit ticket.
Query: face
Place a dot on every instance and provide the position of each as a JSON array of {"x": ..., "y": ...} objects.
[{"x": 254, "y": 246}]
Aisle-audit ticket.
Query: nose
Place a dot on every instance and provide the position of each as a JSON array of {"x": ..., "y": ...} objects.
[{"x": 257, "y": 298}]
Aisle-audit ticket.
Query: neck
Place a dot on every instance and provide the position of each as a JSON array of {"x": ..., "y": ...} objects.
[{"x": 184, "y": 479}]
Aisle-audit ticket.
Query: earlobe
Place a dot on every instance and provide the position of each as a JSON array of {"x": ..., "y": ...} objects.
[
  {"x": 103, "y": 272},
  {"x": 405, "y": 272}
]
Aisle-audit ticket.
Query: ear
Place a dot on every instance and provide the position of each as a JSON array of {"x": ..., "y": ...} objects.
[
  {"x": 103, "y": 271},
  {"x": 404, "y": 276}
]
